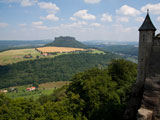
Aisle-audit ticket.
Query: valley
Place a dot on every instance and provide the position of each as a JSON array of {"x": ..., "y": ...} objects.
[{"x": 51, "y": 64}]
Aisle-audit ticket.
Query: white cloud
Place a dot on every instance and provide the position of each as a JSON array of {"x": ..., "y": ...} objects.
[
  {"x": 158, "y": 19},
  {"x": 73, "y": 18},
  {"x": 127, "y": 10},
  {"x": 38, "y": 23},
  {"x": 22, "y": 25},
  {"x": 119, "y": 27},
  {"x": 139, "y": 19},
  {"x": 83, "y": 14},
  {"x": 25, "y": 3},
  {"x": 50, "y": 17},
  {"x": 80, "y": 23},
  {"x": 154, "y": 8},
  {"x": 3, "y": 24},
  {"x": 95, "y": 24},
  {"x": 92, "y": 1},
  {"x": 50, "y": 7},
  {"x": 122, "y": 19},
  {"x": 42, "y": 27},
  {"x": 76, "y": 24},
  {"x": 106, "y": 17}
]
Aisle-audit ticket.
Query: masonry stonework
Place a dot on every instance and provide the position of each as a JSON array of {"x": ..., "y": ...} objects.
[{"x": 144, "y": 102}]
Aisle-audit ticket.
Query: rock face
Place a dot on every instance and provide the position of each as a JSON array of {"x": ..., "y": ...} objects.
[
  {"x": 144, "y": 102},
  {"x": 144, "y": 114},
  {"x": 151, "y": 94}
]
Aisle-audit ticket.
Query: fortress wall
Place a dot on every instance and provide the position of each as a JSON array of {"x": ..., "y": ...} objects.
[{"x": 151, "y": 95}]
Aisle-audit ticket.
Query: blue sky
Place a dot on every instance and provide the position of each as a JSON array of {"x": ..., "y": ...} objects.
[{"x": 106, "y": 20}]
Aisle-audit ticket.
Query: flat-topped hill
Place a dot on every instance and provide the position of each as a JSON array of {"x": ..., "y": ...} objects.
[{"x": 66, "y": 42}]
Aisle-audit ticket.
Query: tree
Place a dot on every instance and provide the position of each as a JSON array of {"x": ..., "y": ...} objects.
[
  {"x": 124, "y": 73},
  {"x": 97, "y": 91}
]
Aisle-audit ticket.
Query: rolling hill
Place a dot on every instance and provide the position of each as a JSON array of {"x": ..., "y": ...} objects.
[
  {"x": 66, "y": 42},
  {"x": 59, "y": 68},
  {"x": 18, "y": 55}
]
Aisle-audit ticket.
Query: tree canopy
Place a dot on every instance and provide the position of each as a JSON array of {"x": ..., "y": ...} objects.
[{"x": 96, "y": 94}]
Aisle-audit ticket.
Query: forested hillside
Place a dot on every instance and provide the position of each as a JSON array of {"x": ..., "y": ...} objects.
[
  {"x": 66, "y": 42},
  {"x": 96, "y": 94},
  {"x": 131, "y": 50},
  {"x": 60, "y": 68}
]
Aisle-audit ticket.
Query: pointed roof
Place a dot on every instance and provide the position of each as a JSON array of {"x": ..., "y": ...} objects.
[{"x": 147, "y": 24}]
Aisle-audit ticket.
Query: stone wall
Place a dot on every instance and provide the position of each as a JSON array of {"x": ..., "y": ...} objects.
[{"x": 145, "y": 98}]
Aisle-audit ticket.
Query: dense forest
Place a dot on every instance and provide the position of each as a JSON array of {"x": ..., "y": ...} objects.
[
  {"x": 96, "y": 94},
  {"x": 131, "y": 50},
  {"x": 60, "y": 68}
]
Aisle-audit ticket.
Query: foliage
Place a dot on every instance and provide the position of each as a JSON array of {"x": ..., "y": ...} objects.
[
  {"x": 105, "y": 92},
  {"x": 123, "y": 73},
  {"x": 131, "y": 50},
  {"x": 60, "y": 68},
  {"x": 56, "y": 96},
  {"x": 96, "y": 88},
  {"x": 20, "y": 109},
  {"x": 96, "y": 94}
]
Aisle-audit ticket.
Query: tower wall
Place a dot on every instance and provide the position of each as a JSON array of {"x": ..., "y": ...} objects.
[
  {"x": 145, "y": 47},
  {"x": 143, "y": 92}
]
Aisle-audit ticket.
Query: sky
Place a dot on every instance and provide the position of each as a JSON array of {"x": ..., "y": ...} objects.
[{"x": 86, "y": 20}]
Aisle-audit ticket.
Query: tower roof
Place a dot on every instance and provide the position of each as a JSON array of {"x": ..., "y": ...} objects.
[{"x": 147, "y": 24}]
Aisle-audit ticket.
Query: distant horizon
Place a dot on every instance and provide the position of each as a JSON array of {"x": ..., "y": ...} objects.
[{"x": 94, "y": 41}]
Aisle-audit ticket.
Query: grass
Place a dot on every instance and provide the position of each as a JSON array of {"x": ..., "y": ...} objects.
[
  {"x": 95, "y": 51},
  {"x": 14, "y": 56},
  {"x": 44, "y": 89},
  {"x": 53, "y": 84}
]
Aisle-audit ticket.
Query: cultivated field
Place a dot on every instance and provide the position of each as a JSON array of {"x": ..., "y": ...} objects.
[
  {"x": 14, "y": 56},
  {"x": 51, "y": 85},
  {"x": 59, "y": 49},
  {"x": 44, "y": 89}
]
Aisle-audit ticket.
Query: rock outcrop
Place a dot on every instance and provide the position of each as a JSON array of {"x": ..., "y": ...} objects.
[{"x": 144, "y": 114}]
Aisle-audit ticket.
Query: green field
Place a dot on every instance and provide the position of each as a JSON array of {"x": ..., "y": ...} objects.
[
  {"x": 95, "y": 51},
  {"x": 14, "y": 56},
  {"x": 44, "y": 89}
]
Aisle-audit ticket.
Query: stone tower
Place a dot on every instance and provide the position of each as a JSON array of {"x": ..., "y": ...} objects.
[
  {"x": 146, "y": 34},
  {"x": 144, "y": 102}
]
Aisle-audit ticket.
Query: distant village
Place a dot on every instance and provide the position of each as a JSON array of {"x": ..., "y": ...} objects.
[{"x": 14, "y": 89}]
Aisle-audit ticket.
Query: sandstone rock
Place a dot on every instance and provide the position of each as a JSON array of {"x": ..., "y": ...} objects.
[{"x": 144, "y": 114}]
